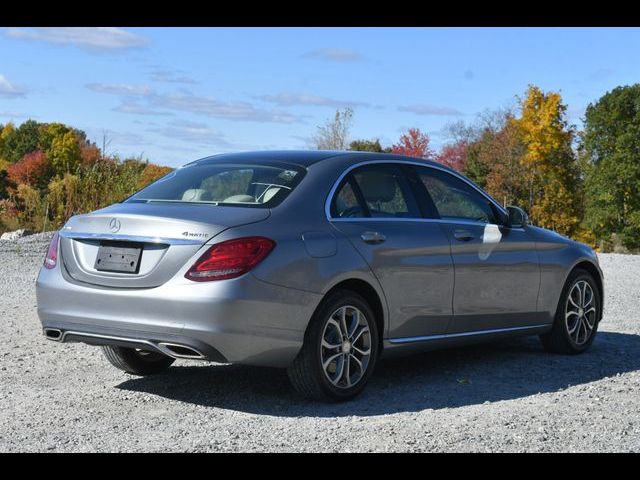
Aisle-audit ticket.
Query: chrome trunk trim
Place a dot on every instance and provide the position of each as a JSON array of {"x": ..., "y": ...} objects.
[{"x": 128, "y": 238}]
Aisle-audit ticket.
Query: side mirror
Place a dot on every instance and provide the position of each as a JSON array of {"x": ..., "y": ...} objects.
[{"x": 517, "y": 217}]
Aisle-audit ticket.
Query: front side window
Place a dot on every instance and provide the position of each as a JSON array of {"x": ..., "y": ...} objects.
[
  {"x": 454, "y": 198},
  {"x": 223, "y": 184}
]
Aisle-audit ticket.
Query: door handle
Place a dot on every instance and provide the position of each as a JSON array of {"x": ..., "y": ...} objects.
[
  {"x": 372, "y": 237},
  {"x": 463, "y": 235}
]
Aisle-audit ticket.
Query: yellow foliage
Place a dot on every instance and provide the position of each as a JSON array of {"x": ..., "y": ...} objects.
[{"x": 549, "y": 163}]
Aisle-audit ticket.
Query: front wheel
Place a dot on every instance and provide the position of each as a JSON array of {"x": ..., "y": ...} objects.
[
  {"x": 340, "y": 349},
  {"x": 137, "y": 362},
  {"x": 577, "y": 316}
]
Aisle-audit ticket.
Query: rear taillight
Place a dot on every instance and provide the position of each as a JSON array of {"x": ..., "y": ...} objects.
[
  {"x": 51, "y": 259},
  {"x": 230, "y": 259}
]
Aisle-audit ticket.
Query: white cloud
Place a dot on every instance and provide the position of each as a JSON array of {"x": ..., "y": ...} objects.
[
  {"x": 9, "y": 90},
  {"x": 290, "y": 99},
  {"x": 137, "y": 109},
  {"x": 193, "y": 133},
  {"x": 334, "y": 55},
  {"x": 171, "y": 76},
  {"x": 421, "y": 109},
  {"x": 91, "y": 38},
  {"x": 241, "y": 111},
  {"x": 120, "y": 89}
]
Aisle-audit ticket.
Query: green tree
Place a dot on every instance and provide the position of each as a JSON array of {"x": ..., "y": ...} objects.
[
  {"x": 612, "y": 148},
  {"x": 17, "y": 142},
  {"x": 367, "y": 146}
]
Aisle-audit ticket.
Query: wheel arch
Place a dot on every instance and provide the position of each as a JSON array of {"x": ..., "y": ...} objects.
[{"x": 596, "y": 273}]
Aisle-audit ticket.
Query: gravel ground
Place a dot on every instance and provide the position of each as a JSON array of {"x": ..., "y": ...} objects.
[{"x": 507, "y": 396}]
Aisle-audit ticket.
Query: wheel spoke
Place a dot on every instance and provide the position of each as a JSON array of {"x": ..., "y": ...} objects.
[
  {"x": 330, "y": 346},
  {"x": 358, "y": 333},
  {"x": 586, "y": 304},
  {"x": 571, "y": 300},
  {"x": 577, "y": 330},
  {"x": 575, "y": 326},
  {"x": 354, "y": 323},
  {"x": 347, "y": 370},
  {"x": 358, "y": 362},
  {"x": 343, "y": 322},
  {"x": 571, "y": 312},
  {"x": 330, "y": 359},
  {"x": 364, "y": 353}
]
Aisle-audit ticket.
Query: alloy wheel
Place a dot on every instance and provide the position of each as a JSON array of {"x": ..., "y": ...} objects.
[
  {"x": 345, "y": 350},
  {"x": 580, "y": 312}
]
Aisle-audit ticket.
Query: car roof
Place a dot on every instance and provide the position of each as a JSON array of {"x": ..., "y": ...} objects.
[{"x": 306, "y": 158}]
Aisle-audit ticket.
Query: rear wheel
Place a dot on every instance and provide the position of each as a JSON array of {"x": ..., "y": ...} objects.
[
  {"x": 577, "y": 316},
  {"x": 340, "y": 349},
  {"x": 135, "y": 361}
]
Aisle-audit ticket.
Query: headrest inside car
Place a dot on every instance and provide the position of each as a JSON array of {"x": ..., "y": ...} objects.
[
  {"x": 196, "y": 195},
  {"x": 378, "y": 186}
]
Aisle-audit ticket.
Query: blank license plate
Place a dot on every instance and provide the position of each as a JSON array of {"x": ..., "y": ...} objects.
[{"x": 123, "y": 259}]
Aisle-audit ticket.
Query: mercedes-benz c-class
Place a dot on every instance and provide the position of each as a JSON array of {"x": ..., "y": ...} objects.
[{"x": 319, "y": 262}]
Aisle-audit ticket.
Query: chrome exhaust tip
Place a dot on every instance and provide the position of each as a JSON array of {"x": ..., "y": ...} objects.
[
  {"x": 54, "y": 334},
  {"x": 180, "y": 351}
]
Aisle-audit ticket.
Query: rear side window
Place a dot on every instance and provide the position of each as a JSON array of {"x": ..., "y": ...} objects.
[
  {"x": 346, "y": 204},
  {"x": 379, "y": 191},
  {"x": 454, "y": 198},
  {"x": 261, "y": 186}
]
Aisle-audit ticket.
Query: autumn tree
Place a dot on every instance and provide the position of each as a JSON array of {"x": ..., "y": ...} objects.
[
  {"x": 414, "y": 143},
  {"x": 612, "y": 147},
  {"x": 151, "y": 173},
  {"x": 34, "y": 170},
  {"x": 550, "y": 168},
  {"x": 334, "y": 134},
  {"x": 64, "y": 153},
  {"x": 453, "y": 155}
]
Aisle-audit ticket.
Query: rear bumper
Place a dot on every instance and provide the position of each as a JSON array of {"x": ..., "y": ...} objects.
[{"x": 244, "y": 320}]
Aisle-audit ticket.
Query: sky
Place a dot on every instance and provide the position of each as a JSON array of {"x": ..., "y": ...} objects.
[{"x": 173, "y": 95}]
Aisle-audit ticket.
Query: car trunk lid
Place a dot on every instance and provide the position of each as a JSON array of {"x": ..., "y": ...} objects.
[{"x": 163, "y": 237}]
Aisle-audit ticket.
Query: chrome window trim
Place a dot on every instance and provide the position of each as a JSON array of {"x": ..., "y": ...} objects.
[
  {"x": 128, "y": 238},
  {"x": 327, "y": 204},
  {"x": 443, "y": 336}
]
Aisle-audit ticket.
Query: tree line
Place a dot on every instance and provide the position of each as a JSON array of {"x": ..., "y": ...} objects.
[
  {"x": 50, "y": 171},
  {"x": 582, "y": 183},
  {"x": 585, "y": 184}
]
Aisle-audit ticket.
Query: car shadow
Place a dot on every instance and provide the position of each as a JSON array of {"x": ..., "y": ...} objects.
[{"x": 451, "y": 378}]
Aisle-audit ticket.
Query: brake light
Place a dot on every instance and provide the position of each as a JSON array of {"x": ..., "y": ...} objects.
[
  {"x": 51, "y": 259},
  {"x": 230, "y": 259}
]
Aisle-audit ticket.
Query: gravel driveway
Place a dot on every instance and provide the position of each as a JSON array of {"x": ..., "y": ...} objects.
[{"x": 507, "y": 396}]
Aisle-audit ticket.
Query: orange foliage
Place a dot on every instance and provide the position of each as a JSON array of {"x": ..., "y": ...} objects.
[
  {"x": 151, "y": 173},
  {"x": 413, "y": 144},
  {"x": 33, "y": 170}
]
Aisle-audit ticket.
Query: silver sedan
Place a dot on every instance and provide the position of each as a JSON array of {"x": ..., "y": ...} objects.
[{"x": 318, "y": 262}]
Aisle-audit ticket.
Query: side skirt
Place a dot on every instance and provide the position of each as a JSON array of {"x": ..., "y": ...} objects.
[{"x": 408, "y": 345}]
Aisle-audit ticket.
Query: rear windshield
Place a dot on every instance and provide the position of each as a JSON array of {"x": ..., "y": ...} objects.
[{"x": 224, "y": 184}]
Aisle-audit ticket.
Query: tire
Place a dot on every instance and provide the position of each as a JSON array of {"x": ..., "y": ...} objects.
[
  {"x": 307, "y": 373},
  {"x": 137, "y": 362},
  {"x": 560, "y": 339}
]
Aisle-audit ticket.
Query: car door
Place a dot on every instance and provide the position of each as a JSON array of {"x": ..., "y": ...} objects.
[
  {"x": 497, "y": 274},
  {"x": 375, "y": 208}
]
